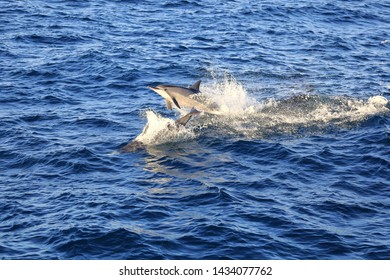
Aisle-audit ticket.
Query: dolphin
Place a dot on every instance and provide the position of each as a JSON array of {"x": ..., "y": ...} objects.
[
  {"x": 182, "y": 96},
  {"x": 136, "y": 144}
]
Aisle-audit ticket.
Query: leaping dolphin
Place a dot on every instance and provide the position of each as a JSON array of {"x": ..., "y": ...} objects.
[
  {"x": 181, "y": 96},
  {"x": 136, "y": 144}
]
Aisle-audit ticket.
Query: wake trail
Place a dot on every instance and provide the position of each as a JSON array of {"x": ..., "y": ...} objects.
[{"x": 241, "y": 115}]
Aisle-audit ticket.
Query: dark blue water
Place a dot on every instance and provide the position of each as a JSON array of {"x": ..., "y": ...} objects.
[{"x": 297, "y": 166}]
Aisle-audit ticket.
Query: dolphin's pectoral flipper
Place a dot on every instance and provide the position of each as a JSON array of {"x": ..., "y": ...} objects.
[
  {"x": 196, "y": 86},
  {"x": 176, "y": 103},
  {"x": 169, "y": 104}
]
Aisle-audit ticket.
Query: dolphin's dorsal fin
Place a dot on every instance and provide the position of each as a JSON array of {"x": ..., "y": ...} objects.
[
  {"x": 196, "y": 86},
  {"x": 169, "y": 104},
  {"x": 194, "y": 111},
  {"x": 184, "y": 120}
]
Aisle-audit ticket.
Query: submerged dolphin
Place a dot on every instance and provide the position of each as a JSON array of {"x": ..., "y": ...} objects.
[
  {"x": 182, "y": 96},
  {"x": 136, "y": 144}
]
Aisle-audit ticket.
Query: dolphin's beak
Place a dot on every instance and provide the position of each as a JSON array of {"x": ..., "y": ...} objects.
[{"x": 154, "y": 88}]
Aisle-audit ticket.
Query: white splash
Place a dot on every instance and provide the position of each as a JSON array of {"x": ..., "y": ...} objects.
[
  {"x": 344, "y": 109},
  {"x": 243, "y": 116},
  {"x": 230, "y": 96},
  {"x": 160, "y": 130}
]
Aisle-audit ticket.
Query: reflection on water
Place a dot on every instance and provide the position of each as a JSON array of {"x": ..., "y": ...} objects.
[{"x": 188, "y": 160}]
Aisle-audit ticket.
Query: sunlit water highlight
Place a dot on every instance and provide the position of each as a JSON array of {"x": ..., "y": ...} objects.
[{"x": 295, "y": 166}]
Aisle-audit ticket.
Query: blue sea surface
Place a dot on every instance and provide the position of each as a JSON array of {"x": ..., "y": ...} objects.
[{"x": 296, "y": 166}]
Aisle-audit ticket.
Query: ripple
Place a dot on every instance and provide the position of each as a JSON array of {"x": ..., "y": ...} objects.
[
  {"x": 103, "y": 244},
  {"x": 298, "y": 169}
]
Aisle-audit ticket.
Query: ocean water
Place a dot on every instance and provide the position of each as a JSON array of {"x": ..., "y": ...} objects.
[{"x": 295, "y": 166}]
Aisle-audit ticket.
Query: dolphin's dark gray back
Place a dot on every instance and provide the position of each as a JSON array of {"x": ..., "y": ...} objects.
[
  {"x": 193, "y": 89},
  {"x": 132, "y": 147}
]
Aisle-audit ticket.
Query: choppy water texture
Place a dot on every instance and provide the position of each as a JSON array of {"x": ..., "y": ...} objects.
[{"x": 296, "y": 166}]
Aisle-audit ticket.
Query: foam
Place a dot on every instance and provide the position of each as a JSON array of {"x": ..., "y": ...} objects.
[
  {"x": 230, "y": 96},
  {"x": 160, "y": 130}
]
